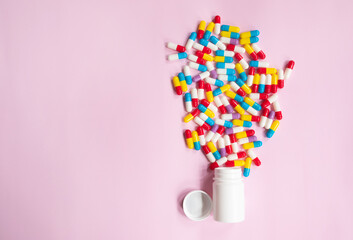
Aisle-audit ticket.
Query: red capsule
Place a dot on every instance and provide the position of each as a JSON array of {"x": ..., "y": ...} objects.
[
  {"x": 233, "y": 103},
  {"x": 238, "y": 56},
  {"x": 261, "y": 70},
  {"x": 201, "y": 84},
  {"x": 200, "y": 54},
  {"x": 206, "y": 126},
  {"x": 251, "y": 71},
  {"x": 201, "y": 61},
  {"x": 265, "y": 112},
  {"x": 180, "y": 48},
  {"x": 278, "y": 115},
  {"x": 230, "y": 47},
  {"x": 253, "y": 55},
  {"x": 268, "y": 88},
  {"x": 255, "y": 88},
  {"x": 205, "y": 149},
  {"x": 187, "y": 134},
  {"x": 274, "y": 88},
  {"x": 195, "y": 112},
  {"x": 208, "y": 88},
  {"x": 200, "y": 131},
  {"x": 290, "y": 64},
  {"x": 229, "y": 149},
  {"x": 217, "y": 19},
  {"x": 241, "y": 154},
  {"x": 256, "y": 161},
  {"x": 206, "y": 50},
  {"x": 255, "y": 118},
  {"x": 221, "y": 130},
  {"x": 232, "y": 138},
  {"x": 205, "y": 102}
]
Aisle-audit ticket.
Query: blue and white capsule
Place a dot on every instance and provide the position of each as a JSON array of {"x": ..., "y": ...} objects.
[
  {"x": 229, "y": 78},
  {"x": 206, "y": 43},
  {"x": 188, "y": 102},
  {"x": 224, "y": 123},
  {"x": 224, "y": 53},
  {"x": 249, "y": 108},
  {"x": 207, "y": 119},
  {"x": 214, "y": 81},
  {"x": 261, "y": 64},
  {"x": 187, "y": 74},
  {"x": 191, "y": 41},
  {"x": 218, "y": 43},
  {"x": 173, "y": 57},
  {"x": 262, "y": 83},
  {"x": 225, "y": 65},
  {"x": 197, "y": 66},
  {"x": 226, "y": 71}
]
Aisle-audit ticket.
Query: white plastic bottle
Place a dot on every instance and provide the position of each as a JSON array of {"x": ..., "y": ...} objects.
[{"x": 228, "y": 195}]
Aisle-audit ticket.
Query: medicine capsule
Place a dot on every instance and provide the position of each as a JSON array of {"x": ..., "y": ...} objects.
[
  {"x": 250, "y": 51},
  {"x": 197, "y": 66},
  {"x": 201, "y": 76},
  {"x": 218, "y": 163},
  {"x": 241, "y": 71},
  {"x": 236, "y": 49},
  {"x": 214, "y": 150},
  {"x": 264, "y": 116},
  {"x": 197, "y": 59},
  {"x": 241, "y": 60},
  {"x": 269, "y": 120},
  {"x": 237, "y": 89},
  {"x": 230, "y": 116},
  {"x": 187, "y": 100},
  {"x": 234, "y": 96},
  {"x": 228, "y": 144},
  {"x": 225, "y": 65},
  {"x": 235, "y": 163},
  {"x": 247, "y": 167},
  {"x": 247, "y": 140},
  {"x": 250, "y": 118},
  {"x": 258, "y": 51},
  {"x": 258, "y": 96},
  {"x": 208, "y": 31},
  {"x": 196, "y": 140},
  {"x": 208, "y": 105},
  {"x": 205, "y": 110},
  {"x": 211, "y": 133},
  {"x": 223, "y": 59},
  {"x": 221, "y": 90},
  {"x": 219, "y": 104},
  {"x": 188, "y": 139},
  {"x": 241, "y": 123},
  {"x": 201, "y": 90},
  {"x": 280, "y": 78},
  {"x": 177, "y": 56},
  {"x": 256, "y": 82},
  {"x": 243, "y": 86},
  {"x": 208, "y": 154},
  {"x": 254, "y": 157},
  {"x": 288, "y": 70},
  {"x": 182, "y": 80},
  {"x": 218, "y": 43},
  {"x": 268, "y": 83},
  {"x": 233, "y": 142},
  {"x": 201, "y": 29},
  {"x": 236, "y": 106},
  {"x": 234, "y": 130},
  {"x": 207, "y": 119},
  {"x": 211, "y": 69},
  {"x": 194, "y": 97},
  {"x": 218, "y": 134},
  {"x": 176, "y": 47},
  {"x": 251, "y": 74},
  {"x": 229, "y": 78},
  {"x": 215, "y": 82},
  {"x": 190, "y": 41},
  {"x": 269, "y": 101},
  {"x": 248, "y": 108},
  {"x": 201, "y": 48},
  {"x": 227, "y": 105},
  {"x": 272, "y": 129},
  {"x": 201, "y": 134},
  {"x": 187, "y": 74},
  {"x": 226, "y": 71},
  {"x": 253, "y": 33},
  {"x": 177, "y": 86},
  {"x": 217, "y": 26},
  {"x": 233, "y": 35},
  {"x": 250, "y": 145},
  {"x": 221, "y": 147},
  {"x": 244, "y": 41},
  {"x": 262, "y": 83},
  {"x": 262, "y": 70},
  {"x": 204, "y": 56},
  {"x": 202, "y": 123},
  {"x": 231, "y": 41},
  {"x": 224, "y": 123},
  {"x": 224, "y": 53},
  {"x": 209, "y": 94},
  {"x": 274, "y": 83},
  {"x": 208, "y": 44},
  {"x": 259, "y": 64},
  {"x": 237, "y": 156},
  {"x": 252, "y": 103},
  {"x": 245, "y": 134},
  {"x": 191, "y": 115},
  {"x": 277, "y": 109},
  {"x": 230, "y": 28}
]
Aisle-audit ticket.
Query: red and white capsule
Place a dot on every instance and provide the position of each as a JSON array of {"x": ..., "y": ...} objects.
[
  {"x": 202, "y": 123},
  {"x": 228, "y": 144},
  {"x": 201, "y": 48},
  {"x": 201, "y": 135},
  {"x": 258, "y": 96},
  {"x": 201, "y": 90},
  {"x": 268, "y": 83},
  {"x": 218, "y": 163},
  {"x": 264, "y": 116},
  {"x": 234, "y": 48},
  {"x": 220, "y": 105},
  {"x": 176, "y": 47},
  {"x": 288, "y": 70},
  {"x": 258, "y": 51},
  {"x": 241, "y": 60},
  {"x": 237, "y": 89},
  {"x": 251, "y": 74},
  {"x": 237, "y": 156},
  {"x": 194, "y": 97},
  {"x": 280, "y": 78},
  {"x": 277, "y": 109},
  {"x": 254, "y": 157},
  {"x": 218, "y": 134},
  {"x": 208, "y": 154},
  {"x": 217, "y": 25},
  {"x": 267, "y": 102},
  {"x": 234, "y": 143},
  {"x": 196, "y": 59}
]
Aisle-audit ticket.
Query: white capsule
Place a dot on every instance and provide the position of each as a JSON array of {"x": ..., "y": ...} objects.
[
  {"x": 225, "y": 101},
  {"x": 268, "y": 124},
  {"x": 227, "y": 140},
  {"x": 198, "y": 46},
  {"x": 250, "y": 80},
  {"x": 221, "y": 143},
  {"x": 194, "y": 65},
  {"x": 273, "y": 98},
  {"x": 216, "y": 136},
  {"x": 212, "y": 46},
  {"x": 287, "y": 73},
  {"x": 201, "y": 93},
  {"x": 222, "y": 71},
  {"x": 227, "y": 116},
  {"x": 235, "y": 147},
  {"x": 263, "y": 121},
  {"x": 217, "y": 101},
  {"x": 251, "y": 154},
  {"x": 204, "y": 75},
  {"x": 186, "y": 70},
  {"x": 172, "y": 46},
  {"x": 229, "y": 65},
  {"x": 252, "y": 111},
  {"x": 193, "y": 58},
  {"x": 234, "y": 86},
  {"x": 238, "y": 129},
  {"x": 202, "y": 140},
  {"x": 209, "y": 136},
  {"x": 220, "y": 121},
  {"x": 224, "y": 77},
  {"x": 220, "y": 45},
  {"x": 203, "y": 116},
  {"x": 199, "y": 121},
  {"x": 268, "y": 79},
  {"x": 232, "y": 157},
  {"x": 194, "y": 93},
  {"x": 263, "y": 64},
  {"x": 212, "y": 107},
  {"x": 221, "y": 161},
  {"x": 276, "y": 106},
  {"x": 189, "y": 44},
  {"x": 244, "y": 64},
  {"x": 243, "y": 140},
  {"x": 280, "y": 74},
  {"x": 210, "y": 157},
  {"x": 262, "y": 79},
  {"x": 173, "y": 57}
]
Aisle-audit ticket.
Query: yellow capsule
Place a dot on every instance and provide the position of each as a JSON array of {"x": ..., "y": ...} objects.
[
  {"x": 244, "y": 41},
  {"x": 274, "y": 125},
  {"x": 238, "y": 122},
  {"x": 246, "y": 117},
  {"x": 233, "y": 29},
  {"x": 246, "y": 88},
  {"x": 184, "y": 86},
  {"x": 239, "y": 68},
  {"x": 210, "y": 26},
  {"x": 225, "y": 34},
  {"x": 218, "y": 59},
  {"x": 247, "y": 162},
  {"x": 256, "y": 79},
  {"x": 202, "y": 25},
  {"x": 190, "y": 143},
  {"x": 230, "y": 94},
  {"x": 195, "y": 136},
  {"x": 209, "y": 113},
  {"x": 188, "y": 118},
  {"x": 239, "y": 109},
  {"x": 207, "y": 57},
  {"x": 239, "y": 163},
  {"x": 225, "y": 88},
  {"x": 248, "y": 49},
  {"x": 274, "y": 79},
  {"x": 271, "y": 70},
  {"x": 249, "y": 101},
  {"x": 241, "y": 135},
  {"x": 212, "y": 147},
  {"x": 209, "y": 96},
  {"x": 176, "y": 81},
  {"x": 245, "y": 35}
]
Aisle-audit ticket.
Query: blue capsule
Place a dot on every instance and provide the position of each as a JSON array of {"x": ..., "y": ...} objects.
[
  {"x": 204, "y": 42},
  {"x": 247, "y": 124},
  {"x": 270, "y": 133},
  {"x": 219, "y": 83},
  {"x": 220, "y": 65},
  {"x": 244, "y": 105},
  {"x": 187, "y": 97},
  {"x": 188, "y": 80},
  {"x": 243, "y": 76},
  {"x": 207, "y": 35},
  {"x": 197, "y": 146},
  {"x": 246, "y": 172},
  {"x": 230, "y": 71},
  {"x": 202, "y": 108},
  {"x": 254, "y": 63},
  {"x": 257, "y": 106},
  {"x": 193, "y": 36},
  {"x": 238, "y": 98},
  {"x": 181, "y": 76},
  {"x": 220, "y": 53},
  {"x": 214, "y": 40},
  {"x": 261, "y": 88},
  {"x": 231, "y": 78},
  {"x": 217, "y": 92},
  {"x": 209, "y": 121},
  {"x": 228, "y": 124},
  {"x": 182, "y": 55},
  {"x": 217, "y": 155},
  {"x": 202, "y": 68},
  {"x": 257, "y": 144}
]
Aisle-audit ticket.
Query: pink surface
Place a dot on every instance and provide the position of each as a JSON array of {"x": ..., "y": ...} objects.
[{"x": 91, "y": 143}]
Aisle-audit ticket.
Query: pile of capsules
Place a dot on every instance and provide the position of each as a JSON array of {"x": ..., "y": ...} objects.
[{"x": 218, "y": 60}]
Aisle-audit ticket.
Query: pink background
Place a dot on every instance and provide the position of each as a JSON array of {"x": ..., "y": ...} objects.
[{"x": 91, "y": 143}]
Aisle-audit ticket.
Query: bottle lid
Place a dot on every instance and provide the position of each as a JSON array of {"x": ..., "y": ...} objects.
[{"x": 197, "y": 205}]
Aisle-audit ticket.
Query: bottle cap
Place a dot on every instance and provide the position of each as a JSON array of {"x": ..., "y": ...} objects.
[{"x": 197, "y": 205}]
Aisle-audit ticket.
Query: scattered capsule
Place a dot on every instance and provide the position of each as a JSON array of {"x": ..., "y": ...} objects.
[
  {"x": 264, "y": 116},
  {"x": 201, "y": 76},
  {"x": 218, "y": 43},
  {"x": 182, "y": 80},
  {"x": 269, "y": 120},
  {"x": 201, "y": 90},
  {"x": 230, "y": 28},
  {"x": 274, "y": 83},
  {"x": 244, "y": 41},
  {"x": 235, "y": 163},
  {"x": 218, "y": 163},
  {"x": 190, "y": 41},
  {"x": 208, "y": 154},
  {"x": 253, "y": 33},
  {"x": 226, "y": 104},
  {"x": 202, "y": 123},
  {"x": 272, "y": 129},
  {"x": 261, "y": 64},
  {"x": 254, "y": 157},
  {"x": 250, "y": 145},
  {"x": 224, "y": 123},
  {"x": 201, "y": 29},
  {"x": 242, "y": 123},
  {"x": 176, "y": 47},
  {"x": 252, "y": 103},
  {"x": 226, "y": 71},
  {"x": 208, "y": 44},
  {"x": 221, "y": 147},
  {"x": 280, "y": 78},
  {"x": 201, "y": 48},
  {"x": 214, "y": 150},
  {"x": 231, "y": 116},
  {"x": 262, "y": 70},
  {"x": 229, "y": 78},
  {"x": 236, "y": 106},
  {"x": 258, "y": 96},
  {"x": 224, "y": 53},
  {"x": 177, "y": 86},
  {"x": 241, "y": 60},
  {"x": 201, "y": 135},
  {"x": 228, "y": 144},
  {"x": 250, "y": 118},
  {"x": 219, "y": 104},
  {"x": 207, "y": 119},
  {"x": 197, "y": 59},
  {"x": 225, "y": 65},
  {"x": 204, "y": 56},
  {"x": 191, "y": 115},
  {"x": 256, "y": 82},
  {"x": 209, "y": 30},
  {"x": 197, "y": 66},
  {"x": 241, "y": 71},
  {"x": 221, "y": 90},
  {"x": 258, "y": 51},
  {"x": 233, "y": 35},
  {"x": 250, "y": 51},
  {"x": 206, "y": 111},
  {"x": 234, "y": 130},
  {"x": 194, "y": 97},
  {"x": 248, "y": 108},
  {"x": 234, "y": 48},
  {"x": 230, "y": 41},
  {"x": 223, "y": 59},
  {"x": 251, "y": 74},
  {"x": 196, "y": 140},
  {"x": 215, "y": 82},
  {"x": 277, "y": 109},
  {"x": 243, "y": 86},
  {"x": 262, "y": 83},
  {"x": 245, "y": 134},
  {"x": 188, "y": 139},
  {"x": 268, "y": 83},
  {"x": 237, "y": 156},
  {"x": 187, "y": 74},
  {"x": 247, "y": 140},
  {"x": 288, "y": 70},
  {"x": 217, "y": 26},
  {"x": 237, "y": 89},
  {"x": 234, "y": 96},
  {"x": 247, "y": 167},
  {"x": 211, "y": 69},
  {"x": 211, "y": 133},
  {"x": 209, "y": 94},
  {"x": 187, "y": 100},
  {"x": 209, "y": 105},
  {"x": 177, "y": 56}
]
